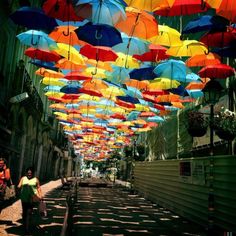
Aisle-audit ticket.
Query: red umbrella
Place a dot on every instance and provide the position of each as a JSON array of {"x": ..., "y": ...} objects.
[
  {"x": 183, "y": 7},
  {"x": 218, "y": 39},
  {"x": 227, "y": 9},
  {"x": 61, "y": 9},
  {"x": 220, "y": 71},
  {"x": 76, "y": 75},
  {"x": 155, "y": 54},
  {"x": 42, "y": 55},
  {"x": 98, "y": 53}
]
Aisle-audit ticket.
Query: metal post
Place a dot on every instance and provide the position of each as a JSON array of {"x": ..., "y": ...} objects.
[{"x": 211, "y": 129}]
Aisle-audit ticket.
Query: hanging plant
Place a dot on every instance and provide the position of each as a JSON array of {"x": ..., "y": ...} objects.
[
  {"x": 225, "y": 124},
  {"x": 197, "y": 123}
]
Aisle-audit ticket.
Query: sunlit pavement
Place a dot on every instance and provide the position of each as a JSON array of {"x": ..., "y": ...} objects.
[
  {"x": 114, "y": 211},
  {"x": 110, "y": 210}
]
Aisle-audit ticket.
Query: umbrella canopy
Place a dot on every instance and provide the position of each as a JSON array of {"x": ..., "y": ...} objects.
[
  {"x": 189, "y": 48},
  {"x": 101, "y": 12},
  {"x": 37, "y": 39},
  {"x": 220, "y": 71},
  {"x": 138, "y": 24},
  {"x": 227, "y": 9},
  {"x": 183, "y": 7},
  {"x": 99, "y": 34},
  {"x": 172, "y": 69},
  {"x": 76, "y": 75},
  {"x": 218, "y": 39},
  {"x": 49, "y": 73},
  {"x": 66, "y": 34},
  {"x": 70, "y": 53},
  {"x": 131, "y": 45},
  {"x": 126, "y": 61},
  {"x": 162, "y": 83},
  {"x": 33, "y": 18},
  {"x": 155, "y": 54},
  {"x": 43, "y": 55},
  {"x": 226, "y": 51},
  {"x": 60, "y": 9},
  {"x": 146, "y": 73},
  {"x": 203, "y": 60},
  {"x": 98, "y": 53},
  {"x": 167, "y": 36},
  {"x": 206, "y": 22},
  {"x": 149, "y": 5}
]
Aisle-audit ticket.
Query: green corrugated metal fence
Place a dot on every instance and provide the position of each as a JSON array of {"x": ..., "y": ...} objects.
[{"x": 183, "y": 186}]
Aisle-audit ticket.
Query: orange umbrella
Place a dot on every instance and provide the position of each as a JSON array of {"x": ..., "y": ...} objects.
[
  {"x": 138, "y": 23},
  {"x": 227, "y": 9},
  {"x": 194, "y": 85},
  {"x": 95, "y": 84},
  {"x": 203, "y": 60},
  {"x": 66, "y": 34},
  {"x": 49, "y": 73},
  {"x": 69, "y": 65},
  {"x": 137, "y": 84},
  {"x": 168, "y": 98}
]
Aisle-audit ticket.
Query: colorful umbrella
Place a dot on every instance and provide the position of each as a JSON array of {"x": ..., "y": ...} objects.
[
  {"x": 218, "y": 39},
  {"x": 188, "y": 48},
  {"x": 33, "y": 18},
  {"x": 99, "y": 34},
  {"x": 167, "y": 36},
  {"x": 155, "y": 54},
  {"x": 43, "y": 55},
  {"x": 203, "y": 60},
  {"x": 172, "y": 69},
  {"x": 66, "y": 34},
  {"x": 138, "y": 24},
  {"x": 227, "y": 9},
  {"x": 220, "y": 71},
  {"x": 49, "y": 73},
  {"x": 98, "y": 53},
  {"x": 149, "y": 5},
  {"x": 60, "y": 9},
  {"x": 204, "y": 23},
  {"x": 37, "y": 39},
  {"x": 101, "y": 12}
]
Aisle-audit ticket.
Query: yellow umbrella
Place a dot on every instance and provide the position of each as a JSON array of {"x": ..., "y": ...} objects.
[
  {"x": 126, "y": 61},
  {"x": 70, "y": 53},
  {"x": 99, "y": 64},
  {"x": 87, "y": 97},
  {"x": 54, "y": 94},
  {"x": 189, "y": 48},
  {"x": 111, "y": 92},
  {"x": 149, "y": 5},
  {"x": 58, "y": 106},
  {"x": 53, "y": 81},
  {"x": 213, "y": 3},
  {"x": 95, "y": 72},
  {"x": 140, "y": 107},
  {"x": 163, "y": 83},
  {"x": 167, "y": 36}
]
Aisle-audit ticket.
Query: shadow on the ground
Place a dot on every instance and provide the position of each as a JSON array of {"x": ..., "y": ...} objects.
[{"x": 52, "y": 224}]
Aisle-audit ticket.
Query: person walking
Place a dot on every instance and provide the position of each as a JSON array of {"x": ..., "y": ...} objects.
[
  {"x": 30, "y": 194},
  {"x": 5, "y": 177}
]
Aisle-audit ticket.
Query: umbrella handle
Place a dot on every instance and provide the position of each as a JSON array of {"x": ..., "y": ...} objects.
[
  {"x": 32, "y": 41},
  {"x": 97, "y": 36},
  {"x": 66, "y": 33},
  {"x": 203, "y": 4},
  {"x": 207, "y": 52},
  {"x": 95, "y": 72}
]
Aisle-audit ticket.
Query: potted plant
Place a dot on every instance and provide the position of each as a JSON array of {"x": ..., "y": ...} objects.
[
  {"x": 197, "y": 123},
  {"x": 225, "y": 124}
]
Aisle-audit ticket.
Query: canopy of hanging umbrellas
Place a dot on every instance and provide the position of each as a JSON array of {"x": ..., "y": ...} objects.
[{"x": 112, "y": 71}]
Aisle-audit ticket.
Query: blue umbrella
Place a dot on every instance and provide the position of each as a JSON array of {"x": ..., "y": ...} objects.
[
  {"x": 99, "y": 34},
  {"x": 172, "y": 69},
  {"x": 146, "y": 73},
  {"x": 206, "y": 22},
  {"x": 48, "y": 65},
  {"x": 128, "y": 98},
  {"x": 37, "y": 39},
  {"x": 33, "y": 18},
  {"x": 131, "y": 45},
  {"x": 103, "y": 12},
  {"x": 72, "y": 88},
  {"x": 226, "y": 51},
  {"x": 118, "y": 75}
]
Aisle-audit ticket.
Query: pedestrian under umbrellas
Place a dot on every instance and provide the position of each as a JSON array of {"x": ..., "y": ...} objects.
[{"x": 30, "y": 195}]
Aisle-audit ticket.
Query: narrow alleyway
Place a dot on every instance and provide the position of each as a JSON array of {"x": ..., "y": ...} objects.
[{"x": 110, "y": 210}]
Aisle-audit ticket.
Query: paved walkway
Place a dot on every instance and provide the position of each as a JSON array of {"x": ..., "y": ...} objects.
[
  {"x": 55, "y": 198},
  {"x": 99, "y": 211}
]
